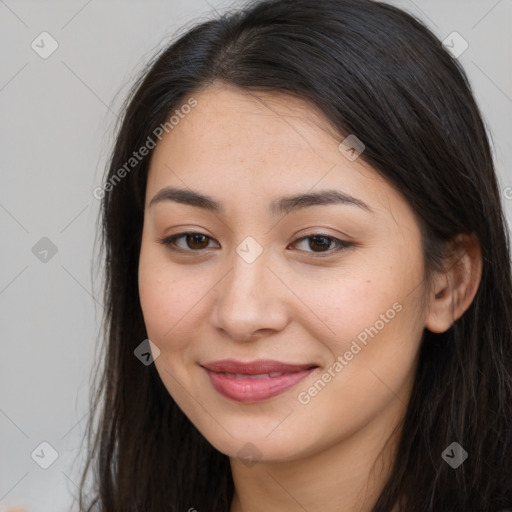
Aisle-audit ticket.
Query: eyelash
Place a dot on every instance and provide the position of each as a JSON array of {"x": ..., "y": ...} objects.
[{"x": 169, "y": 242}]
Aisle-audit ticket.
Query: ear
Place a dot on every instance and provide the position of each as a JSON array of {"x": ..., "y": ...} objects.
[{"x": 455, "y": 288}]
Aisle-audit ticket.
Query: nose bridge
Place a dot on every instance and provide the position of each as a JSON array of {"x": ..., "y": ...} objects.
[
  {"x": 247, "y": 298},
  {"x": 247, "y": 278},
  {"x": 249, "y": 267}
]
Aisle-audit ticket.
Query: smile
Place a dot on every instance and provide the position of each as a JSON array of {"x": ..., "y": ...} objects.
[{"x": 256, "y": 381}]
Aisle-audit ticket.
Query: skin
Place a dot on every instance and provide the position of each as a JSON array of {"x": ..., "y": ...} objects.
[{"x": 294, "y": 303}]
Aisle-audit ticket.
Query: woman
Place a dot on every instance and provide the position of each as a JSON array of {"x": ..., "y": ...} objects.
[{"x": 301, "y": 213}]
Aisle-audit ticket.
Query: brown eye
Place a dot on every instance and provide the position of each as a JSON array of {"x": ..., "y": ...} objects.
[
  {"x": 320, "y": 243},
  {"x": 194, "y": 242}
]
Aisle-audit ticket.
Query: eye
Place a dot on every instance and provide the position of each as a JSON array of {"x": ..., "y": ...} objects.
[
  {"x": 195, "y": 242},
  {"x": 323, "y": 241}
]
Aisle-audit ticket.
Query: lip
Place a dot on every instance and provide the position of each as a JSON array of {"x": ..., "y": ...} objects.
[
  {"x": 243, "y": 381},
  {"x": 254, "y": 367}
]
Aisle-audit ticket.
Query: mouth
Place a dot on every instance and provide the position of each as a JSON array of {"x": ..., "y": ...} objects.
[{"x": 250, "y": 382}]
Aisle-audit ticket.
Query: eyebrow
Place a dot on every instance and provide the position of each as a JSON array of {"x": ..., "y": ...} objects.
[{"x": 279, "y": 206}]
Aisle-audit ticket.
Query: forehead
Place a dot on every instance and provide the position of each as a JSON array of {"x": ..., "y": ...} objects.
[
  {"x": 258, "y": 146},
  {"x": 231, "y": 126}
]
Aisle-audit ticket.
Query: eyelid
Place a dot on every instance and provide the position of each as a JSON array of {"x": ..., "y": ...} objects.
[
  {"x": 169, "y": 243},
  {"x": 340, "y": 245}
]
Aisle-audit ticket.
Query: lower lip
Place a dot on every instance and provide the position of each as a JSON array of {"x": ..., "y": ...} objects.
[{"x": 254, "y": 390}]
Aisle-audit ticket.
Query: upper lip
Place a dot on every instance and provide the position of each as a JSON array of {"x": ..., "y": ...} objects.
[{"x": 255, "y": 367}]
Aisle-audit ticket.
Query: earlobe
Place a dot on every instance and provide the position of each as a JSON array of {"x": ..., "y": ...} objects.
[{"x": 455, "y": 288}]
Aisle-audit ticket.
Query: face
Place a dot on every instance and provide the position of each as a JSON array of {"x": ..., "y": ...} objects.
[{"x": 332, "y": 283}]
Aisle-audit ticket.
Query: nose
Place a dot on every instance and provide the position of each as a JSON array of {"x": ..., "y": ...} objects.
[{"x": 251, "y": 300}]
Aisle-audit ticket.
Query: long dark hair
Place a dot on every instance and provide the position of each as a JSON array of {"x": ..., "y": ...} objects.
[{"x": 377, "y": 72}]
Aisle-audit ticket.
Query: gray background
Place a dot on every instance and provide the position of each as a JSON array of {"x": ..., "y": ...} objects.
[{"x": 58, "y": 116}]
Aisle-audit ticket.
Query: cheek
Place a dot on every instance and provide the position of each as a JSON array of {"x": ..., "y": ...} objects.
[
  {"x": 164, "y": 309},
  {"x": 167, "y": 300},
  {"x": 375, "y": 346},
  {"x": 348, "y": 305},
  {"x": 171, "y": 297},
  {"x": 375, "y": 314}
]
